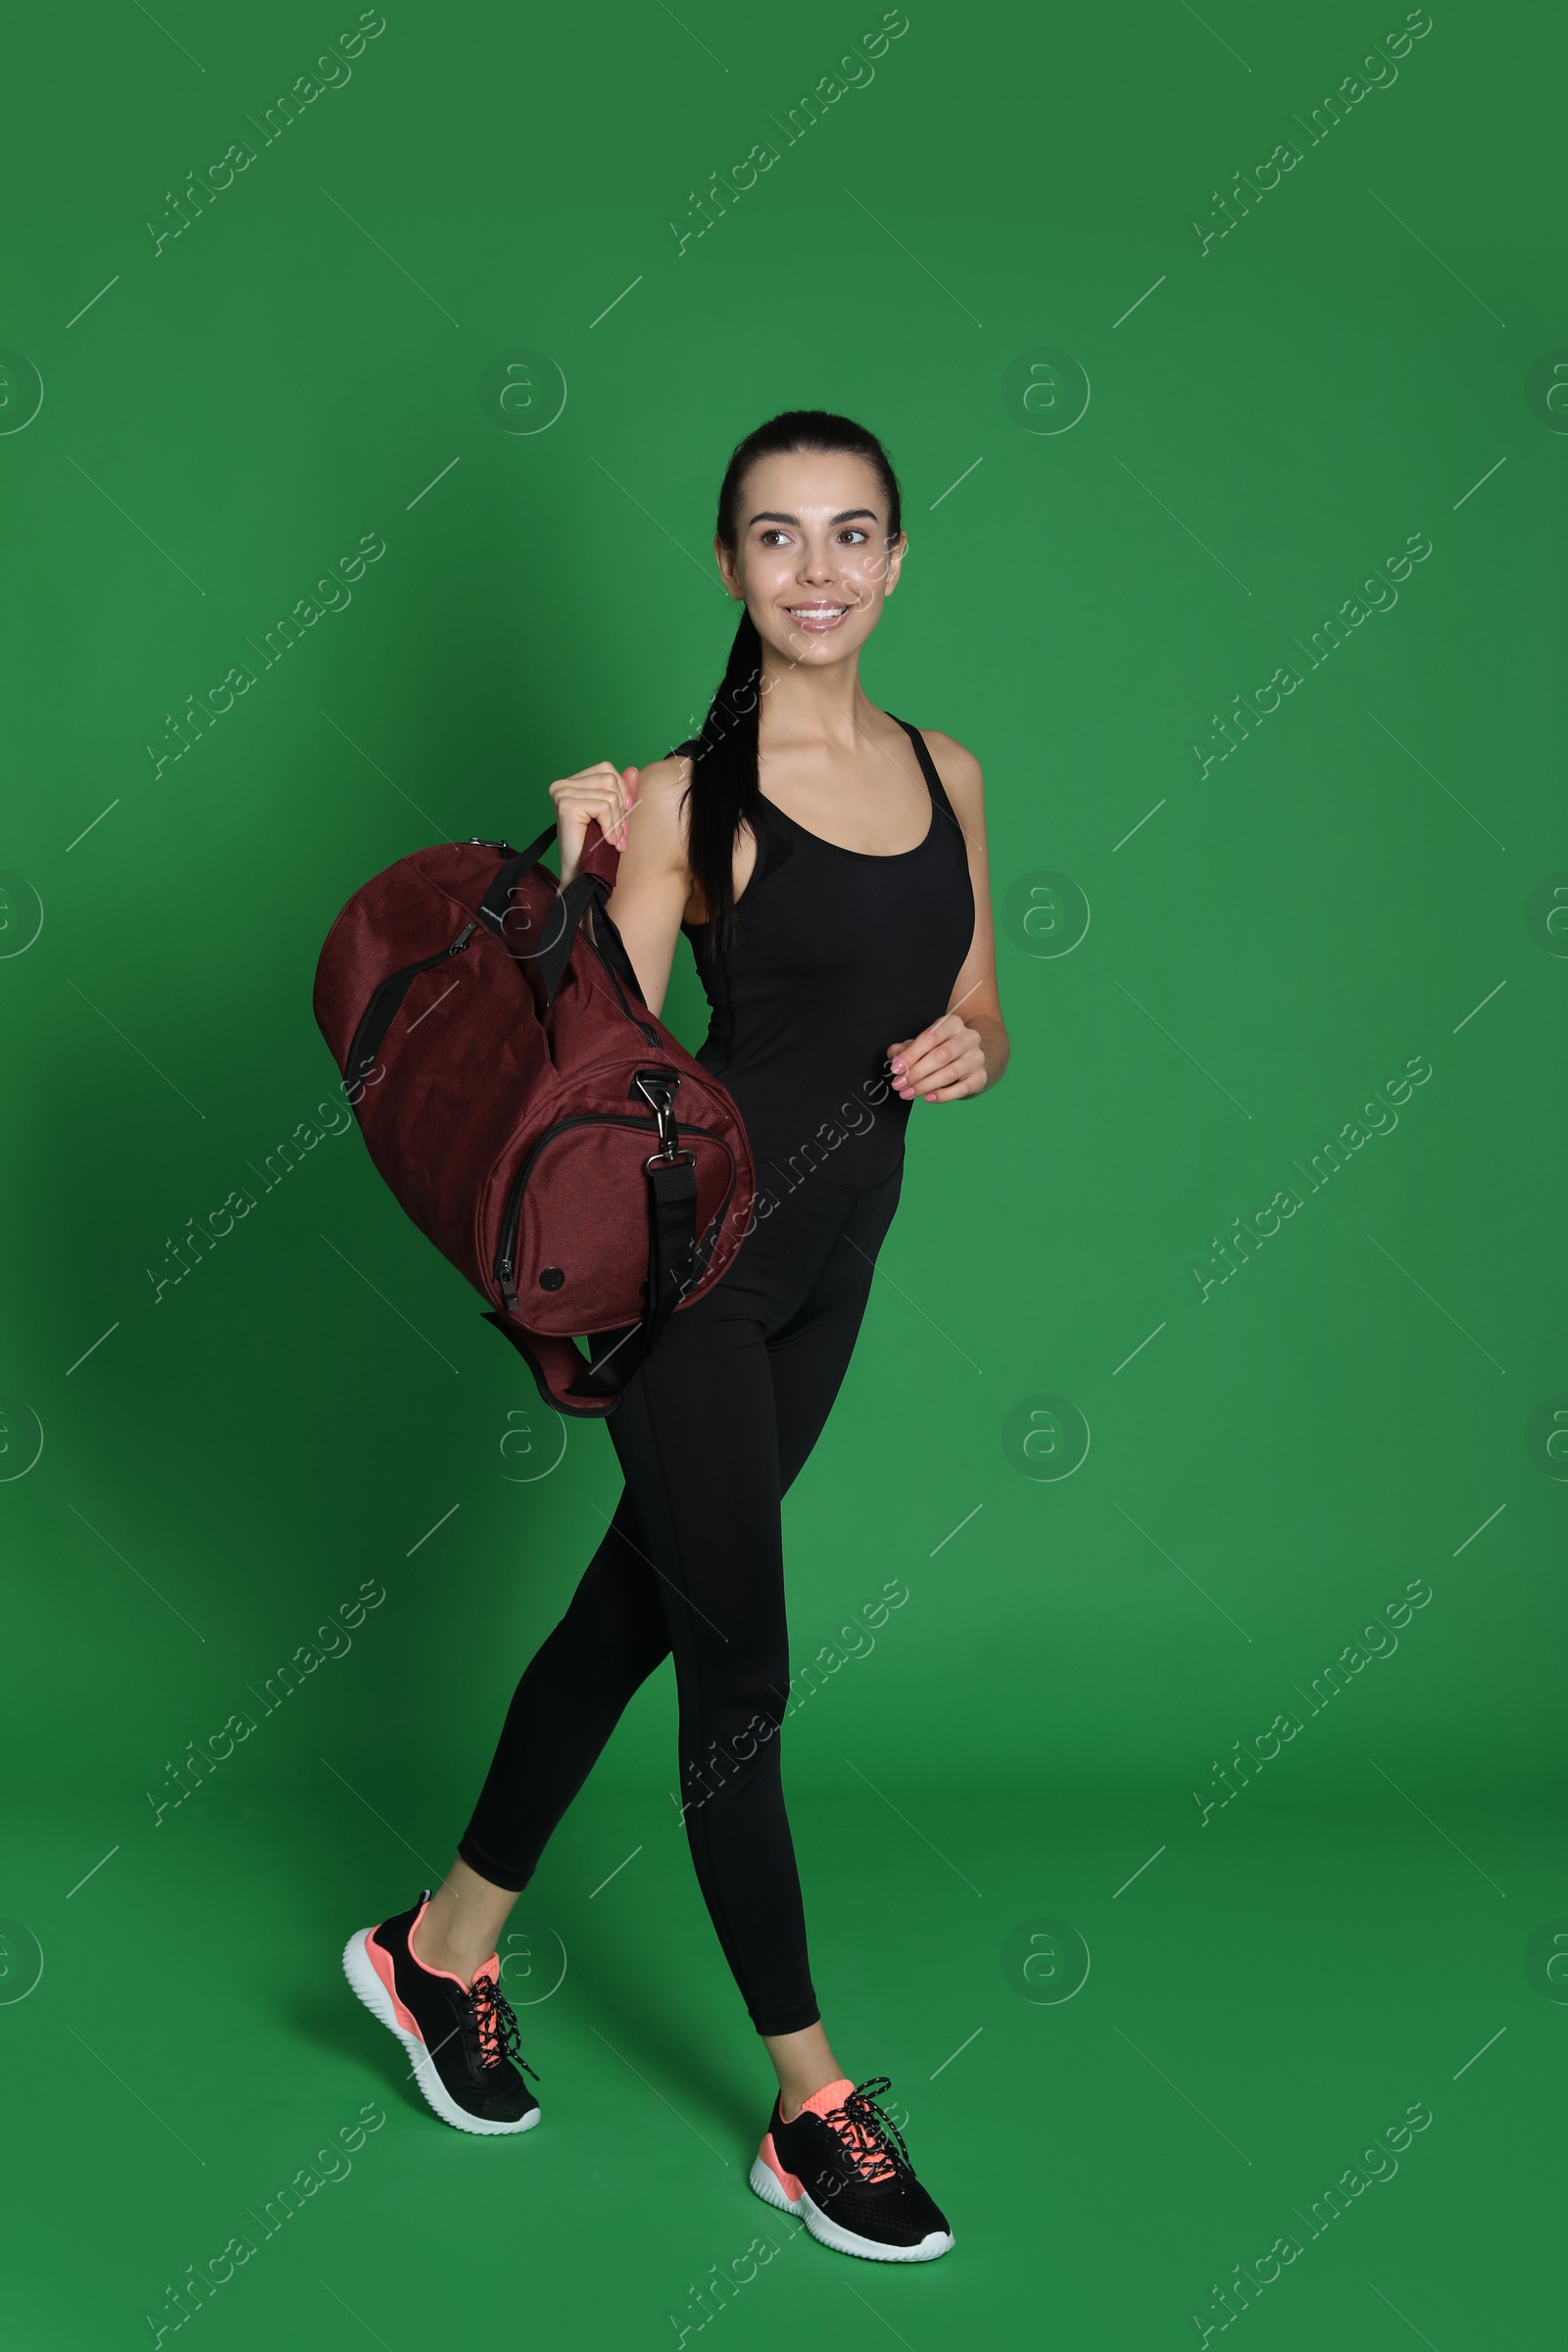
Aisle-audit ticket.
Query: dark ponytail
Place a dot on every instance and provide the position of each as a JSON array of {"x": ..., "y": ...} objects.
[{"x": 723, "y": 794}]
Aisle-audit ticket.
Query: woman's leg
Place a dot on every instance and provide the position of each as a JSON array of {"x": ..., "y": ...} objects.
[
  {"x": 570, "y": 1698},
  {"x": 695, "y": 1437},
  {"x": 809, "y": 1279},
  {"x": 710, "y": 1434},
  {"x": 810, "y": 1356},
  {"x": 810, "y": 1353}
]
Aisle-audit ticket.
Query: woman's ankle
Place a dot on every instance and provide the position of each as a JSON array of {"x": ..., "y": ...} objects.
[
  {"x": 804, "y": 2064},
  {"x": 433, "y": 1950},
  {"x": 460, "y": 1924},
  {"x": 792, "y": 2101}
]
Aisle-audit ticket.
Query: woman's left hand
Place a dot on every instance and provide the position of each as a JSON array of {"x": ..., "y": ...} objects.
[{"x": 943, "y": 1064}]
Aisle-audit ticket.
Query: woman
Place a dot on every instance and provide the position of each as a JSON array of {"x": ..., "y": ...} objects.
[{"x": 828, "y": 864}]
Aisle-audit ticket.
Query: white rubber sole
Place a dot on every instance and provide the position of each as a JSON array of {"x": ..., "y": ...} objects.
[
  {"x": 765, "y": 2181},
  {"x": 361, "y": 1974}
]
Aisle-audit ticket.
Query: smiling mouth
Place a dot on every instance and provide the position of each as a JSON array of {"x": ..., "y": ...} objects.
[{"x": 819, "y": 617}]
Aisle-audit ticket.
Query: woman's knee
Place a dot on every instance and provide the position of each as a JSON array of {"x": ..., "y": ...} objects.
[
  {"x": 609, "y": 1631},
  {"x": 743, "y": 1724}
]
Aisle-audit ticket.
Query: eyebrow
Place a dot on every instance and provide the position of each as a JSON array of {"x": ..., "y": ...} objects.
[{"x": 851, "y": 515}]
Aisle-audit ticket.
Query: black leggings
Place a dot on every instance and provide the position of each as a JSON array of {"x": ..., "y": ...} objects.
[{"x": 710, "y": 1434}]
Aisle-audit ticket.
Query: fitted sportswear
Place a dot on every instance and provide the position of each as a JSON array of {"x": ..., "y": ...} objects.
[
  {"x": 840, "y": 951},
  {"x": 709, "y": 1433},
  {"x": 713, "y": 1430}
]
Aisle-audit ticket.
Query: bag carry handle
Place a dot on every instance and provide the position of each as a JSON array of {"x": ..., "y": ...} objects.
[{"x": 553, "y": 952}]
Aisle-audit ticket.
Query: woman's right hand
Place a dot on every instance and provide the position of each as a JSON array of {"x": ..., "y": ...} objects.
[{"x": 603, "y": 791}]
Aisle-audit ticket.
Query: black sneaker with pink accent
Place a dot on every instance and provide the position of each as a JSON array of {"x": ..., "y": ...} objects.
[
  {"x": 842, "y": 2166},
  {"x": 462, "y": 2040}
]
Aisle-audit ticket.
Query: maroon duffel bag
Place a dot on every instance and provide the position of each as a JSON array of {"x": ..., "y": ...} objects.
[{"x": 534, "y": 1119}]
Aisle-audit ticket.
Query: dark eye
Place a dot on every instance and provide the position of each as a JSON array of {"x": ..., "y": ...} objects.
[
  {"x": 854, "y": 534},
  {"x": 775, "y": 533}
]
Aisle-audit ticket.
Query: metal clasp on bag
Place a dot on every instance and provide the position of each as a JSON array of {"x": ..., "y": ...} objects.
[{"x": 657, "y": 1090}]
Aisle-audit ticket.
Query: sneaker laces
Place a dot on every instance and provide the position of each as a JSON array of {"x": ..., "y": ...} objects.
[
  {"x": 870, "y": 2139},
  {"x": 495, "y": 2025}
]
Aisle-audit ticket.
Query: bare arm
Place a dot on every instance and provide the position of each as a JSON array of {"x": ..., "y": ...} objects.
[
  {"x": 966, "y": 1051},
  {"x": 641, "y": 811}
]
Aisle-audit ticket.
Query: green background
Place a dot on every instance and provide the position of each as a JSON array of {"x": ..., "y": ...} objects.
[{"x": 225, "y": 1463}]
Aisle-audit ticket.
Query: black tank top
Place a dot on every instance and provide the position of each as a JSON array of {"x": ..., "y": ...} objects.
[{"x": 838, "y": 953}]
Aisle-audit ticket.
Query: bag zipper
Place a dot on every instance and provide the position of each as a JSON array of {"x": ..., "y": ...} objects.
[
  {"x": 385, "y": 998},
  {"x": 649, "y": 1032},
  {"x": 512, "y": 1218}
]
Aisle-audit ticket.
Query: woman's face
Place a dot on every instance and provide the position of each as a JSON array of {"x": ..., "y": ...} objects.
[{"x": 812, "y": 556}]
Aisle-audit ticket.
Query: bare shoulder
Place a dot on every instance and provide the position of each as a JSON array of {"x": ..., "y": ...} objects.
[
  {"x": 958, "y": 769},
  {"x": 663, "y": 782},
  {"x": 659, "y": 814}
]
